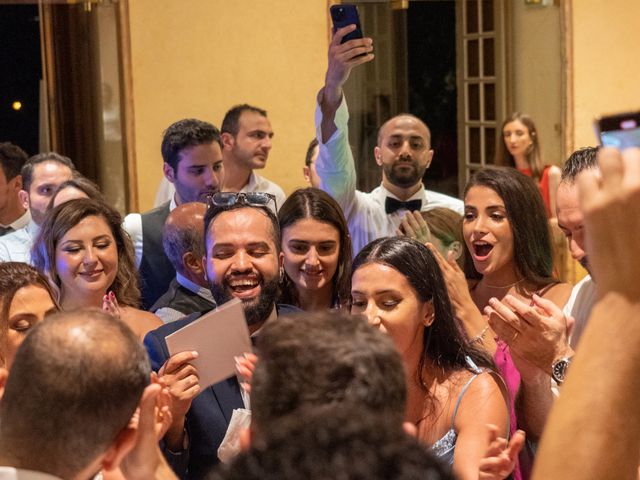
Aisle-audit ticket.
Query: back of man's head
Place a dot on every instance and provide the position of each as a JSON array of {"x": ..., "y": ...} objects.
[
  {"x": 74, "y": 385},
  {"x": 322, "y": 359},
  {"x": 342, "y": 442},
  {"x": 12, "y": 159},
  {"x": 231, "y": 120},
  {"x": 184, "y": 233},
  {"x": 582, "y": 159},
  {"x": 29, "y": 166}
]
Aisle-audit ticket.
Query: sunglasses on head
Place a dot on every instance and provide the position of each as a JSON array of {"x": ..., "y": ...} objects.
[{"x": 255, "y": 199}]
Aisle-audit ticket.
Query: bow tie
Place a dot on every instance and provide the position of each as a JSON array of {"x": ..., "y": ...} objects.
[
  {"x": 5, "y": 230},
  {"x": 392, "y": 204}
]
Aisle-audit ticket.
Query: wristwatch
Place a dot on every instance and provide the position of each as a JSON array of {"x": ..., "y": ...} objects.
[{"x": 559, "y": 369}]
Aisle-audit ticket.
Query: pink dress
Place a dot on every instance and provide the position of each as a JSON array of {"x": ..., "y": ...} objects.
[{"x": 511, "y": 377}]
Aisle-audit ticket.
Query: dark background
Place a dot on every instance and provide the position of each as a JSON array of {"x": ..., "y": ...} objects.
[{"x": 21, "y": 72}]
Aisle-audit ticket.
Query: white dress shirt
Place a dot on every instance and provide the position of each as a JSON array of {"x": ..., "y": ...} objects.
[
  {"x": 365, "y": 212},
  {"x": 133, "y": 226},
  {"x": 579, "y": 306},
  {"x": 257, "y": 183},
  {"x": 10, "y": 473},
  {"x": 16, "y": 246},
  {"x": 168, "y": 314}
]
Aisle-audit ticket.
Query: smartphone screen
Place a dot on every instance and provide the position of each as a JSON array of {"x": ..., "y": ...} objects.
[
  {"x": 343, "y": 15},
  {"x": 620, "y": 131}
]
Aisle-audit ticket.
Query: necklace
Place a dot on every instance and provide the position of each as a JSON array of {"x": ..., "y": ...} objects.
[{"x": 504, "y": 286}]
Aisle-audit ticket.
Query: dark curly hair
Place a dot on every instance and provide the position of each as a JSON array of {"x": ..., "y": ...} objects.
[{"x": 186, "y": 133}]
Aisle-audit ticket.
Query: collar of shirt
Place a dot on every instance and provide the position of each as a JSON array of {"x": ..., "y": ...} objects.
[
  {"x": 195, "y": 288},
  {"x": 20, "y": 222},
  {"x": 381, "y": 193},
  {"x": 252, "y": 184},
  {"x": 32, "y": 229},
  {"x": 172, "y": 203}
]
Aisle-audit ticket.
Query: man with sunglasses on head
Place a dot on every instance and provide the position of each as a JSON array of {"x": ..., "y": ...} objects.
[
  {"x": 192, "y": 154},
  {"x": 242, "y": 260}
]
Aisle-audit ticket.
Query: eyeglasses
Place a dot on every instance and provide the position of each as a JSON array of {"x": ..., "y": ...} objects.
[{"x": 255, "y": 199}]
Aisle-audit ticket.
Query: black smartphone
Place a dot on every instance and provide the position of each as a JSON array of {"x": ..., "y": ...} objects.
[
  {"x": 621, "y": 130},
  {"x": 343, "y": 15}
]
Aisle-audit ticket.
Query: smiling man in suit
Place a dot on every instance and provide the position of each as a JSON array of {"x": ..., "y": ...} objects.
[{"x": 242, "y": 260}]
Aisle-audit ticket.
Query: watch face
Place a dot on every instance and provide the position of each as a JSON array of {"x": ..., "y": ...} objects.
[{"x": 560, "y": 370}]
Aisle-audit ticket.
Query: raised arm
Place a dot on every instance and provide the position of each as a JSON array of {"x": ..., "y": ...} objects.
[
  {"x": 342, "y": 58},
  {"x": 335, "y": 165},
  {"x": 594, "y": 428}
]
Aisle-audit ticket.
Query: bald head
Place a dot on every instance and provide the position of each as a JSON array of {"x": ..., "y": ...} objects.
[
  {"x": 183, "y": 239},
  {"x": 404, "y": 120},
  {"x": 74, "y": 385}
]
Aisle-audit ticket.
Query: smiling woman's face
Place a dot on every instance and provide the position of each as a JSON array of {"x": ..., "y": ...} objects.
[
  {"x": 311, "y": 250},
  {"x": 30, "y": 304},
  {"x": 87, "y": 257}
]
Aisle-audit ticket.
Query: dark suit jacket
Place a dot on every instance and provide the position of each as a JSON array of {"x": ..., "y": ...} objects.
[{"x": 210, "y": 412}]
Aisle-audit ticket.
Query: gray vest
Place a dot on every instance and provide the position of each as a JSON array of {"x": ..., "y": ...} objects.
[
  {"x": 182, "y": 300},
  {"x": 156, "y": 271}
]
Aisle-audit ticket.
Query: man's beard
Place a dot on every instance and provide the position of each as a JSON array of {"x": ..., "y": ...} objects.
[
  {"x": 256, "y": 310},
  {"x": 406, "y": 178}
]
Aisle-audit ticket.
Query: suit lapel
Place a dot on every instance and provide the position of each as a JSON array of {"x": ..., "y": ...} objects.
[{"x": 227, "y": 394}]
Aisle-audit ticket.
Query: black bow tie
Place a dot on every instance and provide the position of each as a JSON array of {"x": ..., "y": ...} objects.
[
  {"x": 5, "y": 230},
  {"x": 392, "y": 204}
]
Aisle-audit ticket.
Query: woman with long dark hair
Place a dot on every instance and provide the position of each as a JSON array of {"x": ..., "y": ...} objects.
[
  {"x": 317, "y": 251},
  {"x": 452, "y": 393},
  {"x": 507, "y": 235}
]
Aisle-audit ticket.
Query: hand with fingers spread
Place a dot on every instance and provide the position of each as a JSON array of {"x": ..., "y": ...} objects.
[
  {"x": 536, "y": 333},
  {"x": 501, "y": 456},
  {"x": 414, "y": 225},
  {"x": 245, "y": 367},
  {"x": 145, "y": 460},
  {"x": 181, "y": 379}
]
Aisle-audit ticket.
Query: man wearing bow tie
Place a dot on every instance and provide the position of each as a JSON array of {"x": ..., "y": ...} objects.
[{"x": 403, "y": 151}]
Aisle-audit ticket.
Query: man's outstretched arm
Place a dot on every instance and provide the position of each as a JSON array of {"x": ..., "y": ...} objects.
[{"x": 343, "y": 57}]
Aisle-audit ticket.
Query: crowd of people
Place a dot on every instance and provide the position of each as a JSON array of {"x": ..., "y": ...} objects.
[{"x": 399, "y": 333}]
